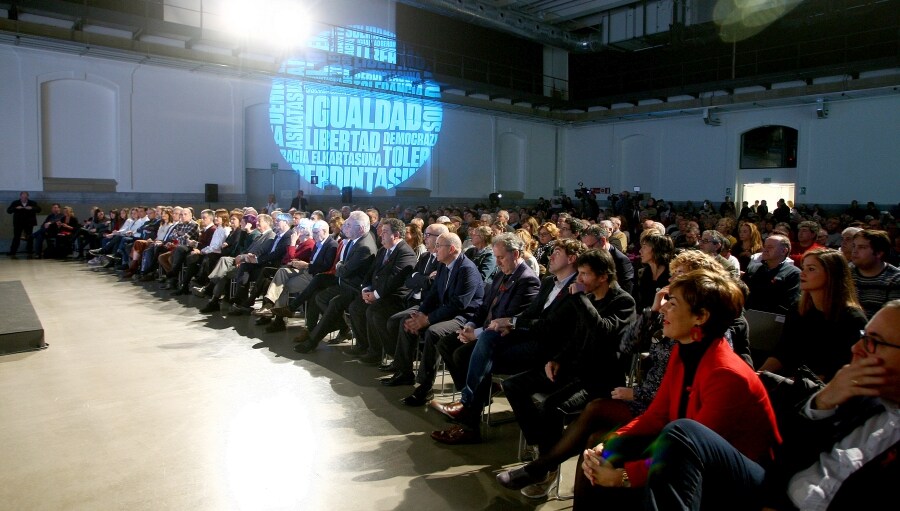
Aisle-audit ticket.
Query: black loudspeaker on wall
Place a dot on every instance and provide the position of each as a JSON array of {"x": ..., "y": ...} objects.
[
  {"x": 212, "y": 192},
  {"x": 347, "y": 194}
]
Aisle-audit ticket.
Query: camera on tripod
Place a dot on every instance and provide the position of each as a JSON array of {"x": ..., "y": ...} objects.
[{"x": 581, "y": 192}]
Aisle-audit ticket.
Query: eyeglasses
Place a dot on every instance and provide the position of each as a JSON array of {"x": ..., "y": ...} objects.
[
  {"x": 430, "y": 235},
  {"x": 445, "y": 245},
  {"x": 870, "y": 342}
]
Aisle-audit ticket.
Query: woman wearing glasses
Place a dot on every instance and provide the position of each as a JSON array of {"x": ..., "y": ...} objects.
[
  {"x": 547, "y": 234},
  {"x": 826, "y": 322}
]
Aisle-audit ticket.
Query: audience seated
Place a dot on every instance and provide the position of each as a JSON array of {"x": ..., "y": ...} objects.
[
  {"x": 451, "y": 302},
  {"x": 325, "y": 313},
  {"x": 511, "y": 345},
  {"x": 383, "y": 291}
]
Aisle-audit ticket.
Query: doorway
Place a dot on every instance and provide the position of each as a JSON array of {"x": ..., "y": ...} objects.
[{"x": 769, "y": 192}]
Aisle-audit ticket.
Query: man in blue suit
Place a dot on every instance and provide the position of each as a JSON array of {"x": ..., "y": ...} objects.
[
  {"x": 510, "y": 293},
  {"x": 454, "y": 298}
]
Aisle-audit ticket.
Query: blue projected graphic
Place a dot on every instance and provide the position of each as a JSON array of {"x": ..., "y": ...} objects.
[{"x": 353, "y": 117}]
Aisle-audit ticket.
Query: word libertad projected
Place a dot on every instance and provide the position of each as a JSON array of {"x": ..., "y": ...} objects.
[{"x": 353, "y": 117}]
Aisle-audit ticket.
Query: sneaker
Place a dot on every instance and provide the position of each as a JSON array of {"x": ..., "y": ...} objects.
[
  {"x": 542, "y": 489},
  {"x": 94, "y": 251},
  {"x": 95, "y": 261}
]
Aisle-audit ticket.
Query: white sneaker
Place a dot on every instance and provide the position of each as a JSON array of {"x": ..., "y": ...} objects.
[
  {"x": 97, "y": 261},
  {"x": 542, "y": 489}
]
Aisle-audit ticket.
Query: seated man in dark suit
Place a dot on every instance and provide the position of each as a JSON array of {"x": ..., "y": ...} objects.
[
  {"x": 383, "y": 290},
  {"x": 597, "y": 236},
  {"x": 510, "y": 345},
  {"x": 418, "y": 283},
  {"x": 331, "y": 302},
  {"x": 586, "y": 364},
  {"x": 774, "y": 281},
  {"x": 511, "y": 291},
  {"x": 251, "y": 271},
  {"x": 840, "y": 450},
  {"x": 451, "y": 302}
]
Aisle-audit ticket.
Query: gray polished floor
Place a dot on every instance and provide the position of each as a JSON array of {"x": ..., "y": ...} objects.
[{"x": 141, "y": 402}]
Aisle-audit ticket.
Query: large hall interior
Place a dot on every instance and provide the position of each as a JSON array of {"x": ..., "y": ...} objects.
[{"x": 121, "y": 390}]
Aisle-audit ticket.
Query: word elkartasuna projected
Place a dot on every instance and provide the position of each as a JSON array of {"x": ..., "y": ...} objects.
[{"x": 373, "y": 125}]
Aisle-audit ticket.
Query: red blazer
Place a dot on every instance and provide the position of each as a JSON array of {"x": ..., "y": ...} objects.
[
  {"x": 727, "y": 396},
  {"x": 302, "y": 251}
]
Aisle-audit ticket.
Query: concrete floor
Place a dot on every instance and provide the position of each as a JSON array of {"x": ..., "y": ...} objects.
[{"x": 141, "y": 402}]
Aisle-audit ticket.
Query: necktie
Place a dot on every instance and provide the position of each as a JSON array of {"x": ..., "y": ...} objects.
[
  {"x": 275, "y": 245},
  {"x": 387, "y": 255},
  {"x": 500, "y": 290},
  {"x": 316, "y": 254},
  {"x": 347, "y": 251}
]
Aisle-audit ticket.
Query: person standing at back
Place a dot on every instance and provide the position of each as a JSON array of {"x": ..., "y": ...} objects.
[{"x": 24, "y": 212}]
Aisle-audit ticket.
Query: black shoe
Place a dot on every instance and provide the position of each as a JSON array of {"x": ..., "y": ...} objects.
[
  {"x": 370, "y": 359},
  {"x": 356, "y": 351},
  {"x": 305, "y": 347},
  {"x": 262, "y": 321},
  {"x": 169, "y": 284},
  {"x": 180, "y": 292},
  {"x": 211, "y": 306},
  {"x": 419, "y": 397},
  {"x": 239, "y": 310},
  {"x": 387, "y": 368},
  {"x": 399, "y": 379},
  {"x": 276, "y": 326}
]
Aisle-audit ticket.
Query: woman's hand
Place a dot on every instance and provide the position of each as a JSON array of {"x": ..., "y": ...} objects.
[
  {"x": 598, "y": 470},
  {"x": 623, "y": 393}
]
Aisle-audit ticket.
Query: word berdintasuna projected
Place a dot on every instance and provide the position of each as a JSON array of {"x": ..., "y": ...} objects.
[{"x": 353, "y": 117}]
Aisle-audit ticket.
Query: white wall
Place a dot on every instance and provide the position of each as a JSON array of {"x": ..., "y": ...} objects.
[
  {"x": 175, "y": 130},
  {"x": 853, "y": 154}
]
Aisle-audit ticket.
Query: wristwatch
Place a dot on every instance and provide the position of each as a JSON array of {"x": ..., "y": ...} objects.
[
  {"x": 626, "y": 483},
  {"x": 512, "y": 322}
]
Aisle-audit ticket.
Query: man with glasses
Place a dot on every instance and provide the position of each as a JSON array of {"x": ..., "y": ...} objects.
[
  {"x": 453, "y": 299},
  {"x": 711, "y": 243},
  {"x": 841, "y": 447}
]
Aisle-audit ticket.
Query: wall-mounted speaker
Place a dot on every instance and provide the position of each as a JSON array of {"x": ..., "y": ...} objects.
[
  {"x": 211, "y": 192},
  {"x": 347, "y": 195}
]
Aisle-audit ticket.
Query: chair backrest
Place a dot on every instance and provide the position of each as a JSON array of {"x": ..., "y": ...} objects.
[{"x": 765, "y": 331}]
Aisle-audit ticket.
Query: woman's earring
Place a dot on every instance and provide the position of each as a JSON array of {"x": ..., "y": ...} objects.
[{"x": 696, "y": 333}]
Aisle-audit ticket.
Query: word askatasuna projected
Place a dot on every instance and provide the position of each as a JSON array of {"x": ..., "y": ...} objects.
[{"x": 345, "y": 136}]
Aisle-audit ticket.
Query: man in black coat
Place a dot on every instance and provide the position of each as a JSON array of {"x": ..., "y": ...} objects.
[
  {"x": 24, "y": 212},
  {"x": 300, "y": 203},
  {"x": 325, "y": 313},
  {"x": 383, "y": 290}
]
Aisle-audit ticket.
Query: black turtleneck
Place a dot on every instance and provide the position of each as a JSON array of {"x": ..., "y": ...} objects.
[{"x": 690, "y": 355}]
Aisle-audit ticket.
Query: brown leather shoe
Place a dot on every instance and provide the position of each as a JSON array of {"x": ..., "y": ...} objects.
[
  {"x": 456, "y": 435},
  {"x": 453, "y": 410}
]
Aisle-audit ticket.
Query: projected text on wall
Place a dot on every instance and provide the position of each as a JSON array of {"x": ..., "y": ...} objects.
[{"x": 369, "y": 126}]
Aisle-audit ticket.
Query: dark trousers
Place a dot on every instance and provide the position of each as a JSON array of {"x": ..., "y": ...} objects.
[
  {"x": 542, "y": 423},
  {"x": 693, "y": 468},
  {"x": 331, "y": 303},
  {"x": 392, "y": 331},
  {"x": 18, "y": 232},
  {"x": 407, "y": 344},
  {"x": 494, "y": 353},
  {"x": 369, "y": 322}
]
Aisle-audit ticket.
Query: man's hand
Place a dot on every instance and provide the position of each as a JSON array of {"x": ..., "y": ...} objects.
[
  {"x": 551, "y": 368},
  {"x": 862, "y": 377},
  {"x": 502, "y": 325},
  {"x": 416, "y": 322},
  {"x": 466, "y": 334},
  {"x": 297, "y": 264},
  {"x": 368, "y": 296}
]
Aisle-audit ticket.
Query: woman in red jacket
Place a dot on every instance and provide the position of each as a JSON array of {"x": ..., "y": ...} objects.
[{"x": 705, "y": 381}]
